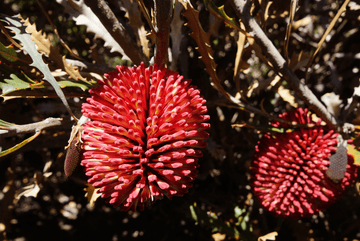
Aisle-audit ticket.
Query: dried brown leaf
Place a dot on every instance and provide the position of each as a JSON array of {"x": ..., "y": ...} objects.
[
  {"x": 265, "y": 5},
  {"x": 302, "y": 22},
  {"x": 239, "y": 53},
  {"x": 45, "y": 46},
  {"x": 269, "y": 236},
  {"x": 91, "y": 194},
  {"x": 332, "y": 102},
  {"x": 28, "y": 191},
  {"x": 133, "y": 13},
  {"x": 203, "y": 41},
  {"x": 284, "y": 93},
  {"x": 218, "y": 236}
]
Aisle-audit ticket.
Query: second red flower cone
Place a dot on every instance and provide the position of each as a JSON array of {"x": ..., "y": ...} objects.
[{"x": 288, "y": 172}]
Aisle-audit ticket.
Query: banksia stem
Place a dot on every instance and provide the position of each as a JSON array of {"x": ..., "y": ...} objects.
[
  {"x": 288, "y": 172},
  {"x": 143, "y": 140}
]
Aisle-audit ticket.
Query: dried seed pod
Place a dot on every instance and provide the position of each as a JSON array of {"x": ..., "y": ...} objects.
[
  {"x": 72, "y": 159},
  {"x": 73, "y": 154}
]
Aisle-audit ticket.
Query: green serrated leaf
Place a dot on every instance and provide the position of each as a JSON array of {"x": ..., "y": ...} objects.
[
  {"x": 8, "y": 53},
  {"x": 220, "y": 13},
  {"x": 29, "y": 46},
  {"x": 15, "y": 83}
]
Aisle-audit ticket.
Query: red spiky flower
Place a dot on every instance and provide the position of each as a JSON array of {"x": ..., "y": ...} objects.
[
  {"x": 143, "y": 140},
  {"x": 288, "y": 172}
]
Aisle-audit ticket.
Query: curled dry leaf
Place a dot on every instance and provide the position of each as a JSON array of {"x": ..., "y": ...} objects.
[
  {"x": 218, "y": 236},
  {"x": 269, "y": 236},
  {"x": 284, "y": 92},
  {"x": 44, "y": 46},
  {"x": 30, "y": 190},
  {"x": 92, "y": 194},
  {"x": 203, "y": 41},
  {"x": 133, "y": 13},
  {"x": 332, "y": 102}
]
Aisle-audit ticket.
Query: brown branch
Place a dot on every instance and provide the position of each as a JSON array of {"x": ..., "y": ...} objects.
[
  {"x": 163, "y": 14},
  {"x": 242, "y": 8},
  {"x": 117, "y": 30}
]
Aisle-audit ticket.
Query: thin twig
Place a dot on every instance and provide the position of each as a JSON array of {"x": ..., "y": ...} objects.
[{"x": 293, "y": 6}]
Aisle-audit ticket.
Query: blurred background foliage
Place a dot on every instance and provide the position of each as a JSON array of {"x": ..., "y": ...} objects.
[{"x": 38, "y": 202}]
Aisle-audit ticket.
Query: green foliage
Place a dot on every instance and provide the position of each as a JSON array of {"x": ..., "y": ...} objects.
[
  {"x": 241, "y": 230},
  {"x": 20, "y": 145},
  {"x": 29, "y": 46},
  {"x": 8, "y": 53},
  {"x": 220, "y": 13},
  {"x": 15, "y": 83}
]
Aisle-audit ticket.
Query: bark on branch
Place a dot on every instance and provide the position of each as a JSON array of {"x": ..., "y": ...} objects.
[
  {"x": 33, "y": 127},
  {"x": 163, "y": 13}
]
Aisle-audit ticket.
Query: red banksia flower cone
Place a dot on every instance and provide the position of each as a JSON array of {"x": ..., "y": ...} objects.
[
  {"x": 143, "y": 138},
  {"x": 288, "y": 172}
]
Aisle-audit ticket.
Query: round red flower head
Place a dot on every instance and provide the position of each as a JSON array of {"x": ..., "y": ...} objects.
[
  {"x": 143, "y": 137},
  {"x": 288, "y": 172}
]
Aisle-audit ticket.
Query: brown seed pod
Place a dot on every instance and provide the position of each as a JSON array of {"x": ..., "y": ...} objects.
[{"x": 72, "y": 159}]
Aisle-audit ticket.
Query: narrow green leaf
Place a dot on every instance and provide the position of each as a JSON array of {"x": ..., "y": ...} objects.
[
  {"x": 21, "y": 144},
  {"x": 5, "y": 124},
  {"x": 29, "y": 46},
  {"x": 193, "y": 213},
  {"x": 78, "y": 83}
]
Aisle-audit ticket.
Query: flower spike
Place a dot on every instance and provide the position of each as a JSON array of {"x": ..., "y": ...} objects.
[
  {"x": 143, "y": 139},
  {"x": 288, "y": 172}
]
